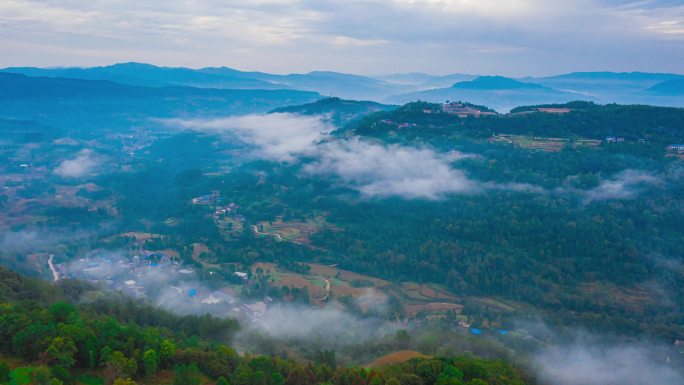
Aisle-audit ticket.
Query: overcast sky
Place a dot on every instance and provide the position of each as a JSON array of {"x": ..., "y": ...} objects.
[{"x": 507, "y": 37}]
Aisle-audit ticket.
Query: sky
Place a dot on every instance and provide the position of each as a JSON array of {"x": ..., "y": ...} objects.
[{"x": 371, "y": 37}]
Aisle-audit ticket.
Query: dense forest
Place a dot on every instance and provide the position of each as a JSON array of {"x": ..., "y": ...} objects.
[{"x": 49, "y": 341}]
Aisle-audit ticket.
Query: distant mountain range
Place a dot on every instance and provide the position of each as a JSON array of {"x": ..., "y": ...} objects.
[
  {"x": 87, "y": 104},
  {"x": 669, "y": 87},
  {"x": 139, "y": 74},
  {"x": 603, "y": 87},
  {"x": 498, "y": 92},
  {"x": 494, "y": 91}
]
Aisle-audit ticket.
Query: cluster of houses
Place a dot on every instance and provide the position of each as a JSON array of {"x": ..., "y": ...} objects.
[
  {"x": 463, "y": 111},
  {"x": 679, "y": 344},
  {"x": 108, "y": 271},
  {"x": 398, "y": 125},
  {"x": 678, "y": 148},
  {"x": 135, "y": 274},
  {"x": 209, "y": 199},
  {"x": 675, "y": 148},
  {"x": 617, "y": 139},
  {"x": 230, "y": 210}
]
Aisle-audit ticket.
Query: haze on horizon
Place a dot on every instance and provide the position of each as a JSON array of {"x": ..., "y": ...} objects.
[{"x": 506, "y": 37}]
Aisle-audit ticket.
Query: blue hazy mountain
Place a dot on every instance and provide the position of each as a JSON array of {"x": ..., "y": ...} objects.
[
  {"x": 669, "y": 87},
  {"x": 500, "y": 92},
  {"x": 495, "y": 83},
  {"x": 497, "y": 92},
  {"x": 79, "y": 103},
  {"x": 422, "y": 81},
  {"x": 336, "y": 110},
  {"x": 336, "y": 84},
  {"x": 140, "y": 74},
  {"x": 409, "y": 78},
  {"x": 608, "y": 86}
]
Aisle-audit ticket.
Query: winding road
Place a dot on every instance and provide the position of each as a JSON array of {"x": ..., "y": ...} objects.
[
  {"x": 55, "y": 274},
  {"x": 276, "y": 236},
  {"x": 327, "y": 290}
]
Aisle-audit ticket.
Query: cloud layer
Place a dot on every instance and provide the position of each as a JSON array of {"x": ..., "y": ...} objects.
[
  {"x": 594, "y": 363},
  {"x": 85, "y": 163},
  {"x": 281, "y": 137},
  {"x": 330, "y": 326},
  {"x": 509, "y": 37},
  {"x": 379, "y": 170},
  {"x": 382, "y": 171},
  {"x": 375, "y": 170}
]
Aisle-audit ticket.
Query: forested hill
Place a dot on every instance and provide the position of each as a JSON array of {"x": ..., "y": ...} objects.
[
  {"x": 48, "y": 341},
  {"x": 338, "y": 111},
  {"x": 577, "y": 119}
]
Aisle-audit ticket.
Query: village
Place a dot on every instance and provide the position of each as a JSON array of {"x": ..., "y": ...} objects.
[{"x": 162, "y": 280}]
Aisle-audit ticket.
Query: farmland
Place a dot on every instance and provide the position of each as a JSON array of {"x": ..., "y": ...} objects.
[
  {"x": 292, "y": 231},
  {"x": 542, "y": 144},
  {"x": 369, "y": 292}
]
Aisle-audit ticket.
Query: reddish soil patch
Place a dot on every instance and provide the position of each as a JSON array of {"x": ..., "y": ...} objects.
[
  {"x": 434, "y": 307},
  {"x": 396, "y": 357}
]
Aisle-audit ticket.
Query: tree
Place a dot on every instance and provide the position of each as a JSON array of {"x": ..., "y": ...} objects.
[
  {"x": 187, "y": 375},
  {"x": 450, "y": 376},
  {"x": 61, "y": 352},
  {"x": 429, "y": 370},
  {"x": 62, "y": 374},
  {"x": 298, "y": 376},
  {"x": 124, "y": 381},
  {"x": 41, "y": 376},
  {"x": 411, "y": 379},
  {"x": 118, "y": 366},
  {"x": 392, "y": 381},
  {"x": 63, "y": 312},
  {"x": 277, "y": 378},
  {"x": 402, "y": 338},
  {"x": 4, "y": 373},
  {"x": 244, "y": 375},
  {"x": 222, "y": 381},
  {"x": 326, "y": 357},
  {"x": 151, "y": 362},
  {"x": 477, "y": 381},
  {"x": 167, "y": 352}
]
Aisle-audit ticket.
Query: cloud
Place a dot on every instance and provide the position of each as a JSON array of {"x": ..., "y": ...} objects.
[
  {"x": 390, "y": 170},
  {"x": 373, "y": 301},
  {"x": 166, "y": 286},
  {"x": 281, "y": 136},
  {"x": 329, "y": 326},
  {"x": 44, "y": 240},
  {"x": 86, "y": 163},
  {"x": 375, "y": 170},
  {"x": 378, "y": 170},
  {"x": 590, "y": 362},
  {"x": 624, "y": 185}
]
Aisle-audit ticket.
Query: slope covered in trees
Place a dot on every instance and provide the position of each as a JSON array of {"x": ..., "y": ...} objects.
[{"x": 53, "y": 342}]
